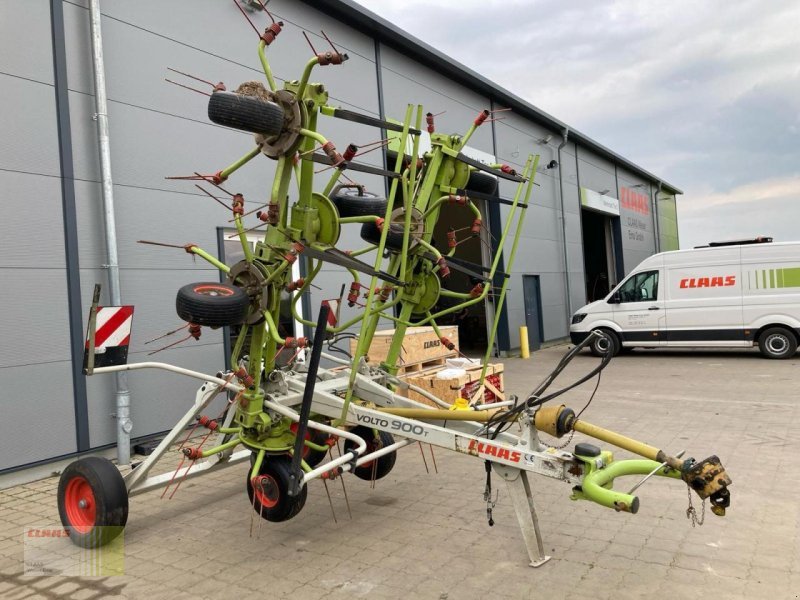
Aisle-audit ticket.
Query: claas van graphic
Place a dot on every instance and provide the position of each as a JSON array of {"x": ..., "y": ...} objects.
[{"x": 724, "y": 295}]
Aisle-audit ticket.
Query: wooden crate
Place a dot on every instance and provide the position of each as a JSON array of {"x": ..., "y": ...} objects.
[
  {"x": 421, "y": 345},
  {"x": 465, "y": 386}
]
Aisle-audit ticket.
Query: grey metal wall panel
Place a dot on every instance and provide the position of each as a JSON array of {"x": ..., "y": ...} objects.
[
  {"x": 36, "y": 426},
  {"x": 28, "y": 138},
  {"x": 25, "y": 47},
  {"x": 406, "y": 81},
  {"x": 34, "y": 301},
  {"x": 596, "y": 174},
  {"x": 26, "y": 242},
  {"x": 636, "y": 219},
  {"x": 150, "y": 34}
]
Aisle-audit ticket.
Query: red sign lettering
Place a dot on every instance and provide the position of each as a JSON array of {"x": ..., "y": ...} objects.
[
  {"x": 634, "y": 201},
  {"x": 488, "y": 450},
  {"x": 703, "y": 282}
]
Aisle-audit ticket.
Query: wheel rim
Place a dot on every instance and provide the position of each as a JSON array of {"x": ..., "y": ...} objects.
[
  {"x": 265, "y": 490},
  {"x": 372, "y": 446},
  {"x": 777, "y": 344},
  {"x": 603, "y": 344},
  {"x": 213, "y": 290},
  {"x": 80, "y": 505}
]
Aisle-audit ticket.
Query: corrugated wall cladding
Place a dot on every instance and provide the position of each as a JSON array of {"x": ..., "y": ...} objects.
[{"x": 158, "y": 130}]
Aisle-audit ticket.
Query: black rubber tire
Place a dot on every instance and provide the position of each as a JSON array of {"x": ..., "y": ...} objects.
[
  {"x": 609, "y": 342},
  {"x": 212, "y": 304},
  {"x": 394, "y": 239},
  {"x": 385, "y": 463},
  {"x": 778, "y": 343},
  {"x": 246, "y": 113},
  {"x": 354, "y": 202},
  {"x": 282, "y": 506},
  {"x": 97, "y": 481},
  {"x": 311, "y": 456},
  {"x": 483, "y": 183}
]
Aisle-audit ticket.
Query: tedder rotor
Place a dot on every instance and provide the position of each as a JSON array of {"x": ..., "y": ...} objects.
[{"x": 282, "y": 416}]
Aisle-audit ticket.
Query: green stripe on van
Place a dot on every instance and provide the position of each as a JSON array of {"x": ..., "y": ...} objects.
[
  {"x": 764, "y": 279},
  {"x": 789, "y": 277}
]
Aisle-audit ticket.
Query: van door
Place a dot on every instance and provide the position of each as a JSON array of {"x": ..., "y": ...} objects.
[{"x": 640, "y": 309}]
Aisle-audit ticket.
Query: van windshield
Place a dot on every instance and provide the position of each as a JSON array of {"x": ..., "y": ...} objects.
[{"x": 642, "y": 287}]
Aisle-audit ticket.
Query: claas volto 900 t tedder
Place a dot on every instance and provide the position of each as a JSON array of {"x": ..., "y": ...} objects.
[{"x": 281, "y": 419}]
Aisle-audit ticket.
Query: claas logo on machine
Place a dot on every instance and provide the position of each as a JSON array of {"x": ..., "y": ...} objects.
[
  {"x": 479, "y": 448},
  {"x": 704, "y": 282}
]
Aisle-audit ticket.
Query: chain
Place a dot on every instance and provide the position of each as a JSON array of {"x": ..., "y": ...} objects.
[
  {"x": 691, "y": 513},
  {"x": 566, "y": 442}
]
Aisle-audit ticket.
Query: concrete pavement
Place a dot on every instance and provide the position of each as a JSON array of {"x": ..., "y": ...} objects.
[{"x": 424, "y": 535}]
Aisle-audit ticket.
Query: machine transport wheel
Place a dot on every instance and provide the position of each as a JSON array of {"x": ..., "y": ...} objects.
[
  {"x": 607, "y": 342},
  {"x": 212, "y": 304},
  {"x": 375, "y": 441},
  {"x": 311, "y": 456},
  {"x": 394, "y": 239},
  {"x": 270, "y": 497},
  {"x": 355, "y": 202},
  {"x": 246, "y": 113},
  {"x": 92, "y": 501},
  {"x": 482, "y": 183},
  {"x": 777, "y": 342}
]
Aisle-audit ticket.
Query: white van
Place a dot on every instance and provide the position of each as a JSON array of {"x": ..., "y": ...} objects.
[{"x": 725, "y": 295}]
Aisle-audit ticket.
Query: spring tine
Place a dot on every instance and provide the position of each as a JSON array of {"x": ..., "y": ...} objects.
[
  {"x": 211, "y": 181},
  {"x": 160, "y": 244},
  {"x": 190, "y": 76},
  {"x": 422, "y": 452},
  {"x": 210, "y": 195},
  {"x": 309, "y": 43},
  {"x": 180, "y": 464},
  {"x": 330, "y": 502},
  {"x": 188, "y": 337},
  {"x": 329, "y": 41},
  {"x": 433, "y": 458},
  {"x": 187, "y": 87},
  {"x": 264, "y": 6},
  {"x": 167, "y": 334},
  {"x": 233, "y": 235},
  {"x": 374, "y": 473},
  {"x": 346, "y": 499},
  {"x": 241, "y": 10}
]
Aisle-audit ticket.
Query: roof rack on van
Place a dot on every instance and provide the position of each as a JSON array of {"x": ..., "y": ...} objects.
[{"x": 759, "y": 240}]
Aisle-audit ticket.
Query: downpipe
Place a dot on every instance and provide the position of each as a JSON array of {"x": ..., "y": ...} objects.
[
  {"x": 122, "y": 395},
  {"x": 565, "y": 136}
]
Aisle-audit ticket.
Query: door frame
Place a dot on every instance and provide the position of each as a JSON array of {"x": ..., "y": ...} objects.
[{"x": 540, "y": 312}]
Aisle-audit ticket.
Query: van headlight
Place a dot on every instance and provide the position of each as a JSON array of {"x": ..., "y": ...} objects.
[{"x": 578, "y": 317}]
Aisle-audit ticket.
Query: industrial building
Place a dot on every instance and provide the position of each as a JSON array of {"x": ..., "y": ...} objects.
[{"x": 593, "y": 216}]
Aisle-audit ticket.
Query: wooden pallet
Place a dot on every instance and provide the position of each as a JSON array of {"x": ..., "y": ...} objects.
[{"x": 450, "y": 390}]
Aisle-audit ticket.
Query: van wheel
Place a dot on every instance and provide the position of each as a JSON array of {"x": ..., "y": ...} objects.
[
  {"x": 605, "y": 343},
  {"x": 777, "y": 342}
]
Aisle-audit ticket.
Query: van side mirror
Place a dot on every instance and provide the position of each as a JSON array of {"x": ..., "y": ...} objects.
[{"x": 615, "y": 298}]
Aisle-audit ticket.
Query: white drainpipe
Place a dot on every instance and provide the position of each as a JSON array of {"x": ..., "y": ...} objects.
[{"x": 123, "y": 397}]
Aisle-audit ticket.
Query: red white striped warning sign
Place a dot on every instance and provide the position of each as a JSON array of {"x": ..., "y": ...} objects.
[
  {"x": 113, "y": 327},
  {"x": 111, "y": 338}
]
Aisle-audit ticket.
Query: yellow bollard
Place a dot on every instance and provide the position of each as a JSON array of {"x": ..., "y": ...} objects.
[{"x": 524, "y": 350}]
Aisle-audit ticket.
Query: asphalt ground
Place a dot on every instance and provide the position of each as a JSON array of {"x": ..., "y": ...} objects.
[{"x": 421, "y": 534}]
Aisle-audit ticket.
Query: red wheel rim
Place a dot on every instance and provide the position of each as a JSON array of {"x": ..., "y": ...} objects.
[
  {"x": 372, "y": 446},
  {"x": 80, "y": 505},
  {"x": 213, "y": 290},
  {"x": 306, "y": 450},
  {"x": 265, "y": 490}
]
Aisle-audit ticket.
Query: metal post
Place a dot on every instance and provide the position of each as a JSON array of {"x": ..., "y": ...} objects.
[{"x": 123, "y": 398}]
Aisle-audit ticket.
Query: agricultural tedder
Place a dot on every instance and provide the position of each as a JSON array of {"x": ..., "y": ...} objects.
[{"x": 282, "y": 419}]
